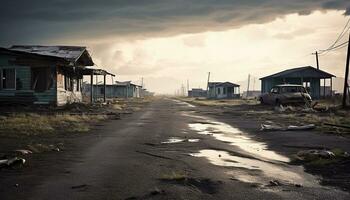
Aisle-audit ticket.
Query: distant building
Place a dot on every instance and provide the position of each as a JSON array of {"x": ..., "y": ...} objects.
[
  {"x": 44, "y": 74},
  {"x": 307, "y": 76},
  {"x": 124, "y": 89},
  {"x": 197, "y": 92},
  {"x": 145, "y": 93},
  {"x": 223, "y": 90}
]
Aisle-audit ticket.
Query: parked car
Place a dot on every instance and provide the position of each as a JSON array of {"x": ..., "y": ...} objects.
[{"x": 286, "y": 94}]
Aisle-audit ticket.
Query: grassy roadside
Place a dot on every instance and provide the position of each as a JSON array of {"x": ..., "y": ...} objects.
[
  {"x": 326, "y": 111},
  {"x": 74, "y": 118}
]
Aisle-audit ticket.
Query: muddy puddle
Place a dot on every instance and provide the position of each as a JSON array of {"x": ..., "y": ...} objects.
[
  {"x": 226, "y": 133},
  {"x": 260, "y": 165},
  {"x": 256, "y": 171},
  {"x": 183, "y": 103},
  {"x": 173, "y": 140}
]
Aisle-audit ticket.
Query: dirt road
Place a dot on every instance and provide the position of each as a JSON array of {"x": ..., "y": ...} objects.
[{"x": 169, "y": 150}]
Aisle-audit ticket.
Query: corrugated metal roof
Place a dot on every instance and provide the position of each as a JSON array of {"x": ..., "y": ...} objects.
[
  {"x": 221, "y": 84},
  {"x": 124, "y": 83},
  {"x": 305, "y": 72},
  {"x": 70, "y": 53}
]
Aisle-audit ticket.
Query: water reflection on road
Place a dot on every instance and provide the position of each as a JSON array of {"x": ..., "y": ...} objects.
[{"x": 254, "y": 162}]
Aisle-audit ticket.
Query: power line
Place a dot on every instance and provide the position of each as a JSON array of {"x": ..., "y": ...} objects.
[
  {"x": 340, "y": 46},
  {"x": 329, "y": 49},
  {"x": 341, "y": 35}
]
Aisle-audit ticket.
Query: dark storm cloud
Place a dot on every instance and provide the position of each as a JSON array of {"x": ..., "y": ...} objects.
[{"x": 35, "y": 21}]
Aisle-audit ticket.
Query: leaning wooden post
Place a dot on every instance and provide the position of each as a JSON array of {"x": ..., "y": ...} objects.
[
  {"x": 344, "y": 104},
  {"x": 331, "y": 86},
  {"x": 91, "y": 88},
  {"x": 104, "y": 88},
  {"x": 324, "y": 88}
]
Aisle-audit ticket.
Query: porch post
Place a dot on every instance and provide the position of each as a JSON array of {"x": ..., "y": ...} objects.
[
  {"x": 331, "y": 86},
  {"x": 104, "y": 86},
  {"x": 319, "y": 92},
  {"x": 324, "y": 88},
  {"x": 91, "y": 87}
]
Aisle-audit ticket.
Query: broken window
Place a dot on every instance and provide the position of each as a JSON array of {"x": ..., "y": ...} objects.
[
  {"x": 68, "y": 83},
  {"x": 42, "y": 79},
  {"x": 8, "y": 79}
]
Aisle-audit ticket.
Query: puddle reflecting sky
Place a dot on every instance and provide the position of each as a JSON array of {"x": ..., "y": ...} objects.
[
  {"x": 226, "y": 133},
  {"x": 183, "y": 103},
  {"x": 178, "y": 140},
  {"x": 264, "y": 164},
  {"x": 283, "y": 173}
]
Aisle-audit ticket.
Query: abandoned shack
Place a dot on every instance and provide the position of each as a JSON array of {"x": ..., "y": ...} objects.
[
  {"x": 124, "y": 89},
  {"x": 50, "y": 75},
  {"x": 197, "y": 92},
  {"x": 223, "y": 90},
  {"x": 308, "y": 76}
]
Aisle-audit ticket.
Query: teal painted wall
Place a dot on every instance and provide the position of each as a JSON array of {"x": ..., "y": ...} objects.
[
  {"x": 267, "y": 84},
  {"x": 23, "y": 83}
]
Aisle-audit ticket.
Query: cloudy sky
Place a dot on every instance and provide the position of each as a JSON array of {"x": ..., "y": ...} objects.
[{"x": 170, "y": 41}]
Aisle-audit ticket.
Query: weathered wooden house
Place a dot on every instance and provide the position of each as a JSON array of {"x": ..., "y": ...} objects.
[
  {"x": 44, "y": 74},
  {"x": 308, "y": 76},
  {"x": 223, "y": 90},
  {"x": 124, "y": 89}
]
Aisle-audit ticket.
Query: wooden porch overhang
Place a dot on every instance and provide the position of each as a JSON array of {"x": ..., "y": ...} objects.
[{"x": 89, "y": 71}]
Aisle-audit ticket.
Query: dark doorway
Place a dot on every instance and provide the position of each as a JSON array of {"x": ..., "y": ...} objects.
[{"x": 41, "y": 79}]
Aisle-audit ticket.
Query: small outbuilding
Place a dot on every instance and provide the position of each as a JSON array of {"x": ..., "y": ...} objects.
[
  {"x": 308, "y": 76},
  {"x": 223, "y": 90}
]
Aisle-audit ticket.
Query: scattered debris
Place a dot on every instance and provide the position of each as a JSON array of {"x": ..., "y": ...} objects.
[
  {"x": 312, "y": 154},
  {"x": 173, "y": 140},
  {"x": 12, "y": 162},
  {"x": 274, "y": 183},
  {"x": 282, "y": 108},
  {"x": 23, "y": 151},
  {"x": 337, "y": 125},
  {"x": 269, "y": 127},
  {"x": 179, "y": 140},
  {"x": 79, "y": 186},
  {"x": 39, "y": 148}
]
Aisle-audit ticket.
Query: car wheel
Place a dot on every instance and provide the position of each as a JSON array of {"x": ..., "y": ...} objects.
[
  {"x": 278, "y": 102},
  {"x": 261, "y": 100}
]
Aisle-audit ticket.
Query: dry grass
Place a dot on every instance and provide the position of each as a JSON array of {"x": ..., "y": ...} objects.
[
  {"x": 35, "y": 124},
  {"x": 330, "y": 113},
  {"x": 224, "y": 102},
  {"x": 61, "y": 121}
]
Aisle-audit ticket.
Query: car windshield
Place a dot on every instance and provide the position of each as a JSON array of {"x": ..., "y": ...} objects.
[{"x": 293, "y": 89}]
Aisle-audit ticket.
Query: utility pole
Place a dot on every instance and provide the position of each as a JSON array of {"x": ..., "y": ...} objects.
[
  {"x": 248, "y": 85},
  {"x": 318, "y": 65},
  {"x": 142, "y": 82},
  {"x": 253, "y": 84},
  {"x": 345, "y": 93},
  {"x": 208, "y": 84},
  {"x": 188, "y": 86}
]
